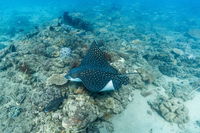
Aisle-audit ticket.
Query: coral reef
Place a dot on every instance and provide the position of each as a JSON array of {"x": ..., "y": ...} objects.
[
  {"x": 14, "y": 111},
  {"x": 65, "y": 52},
  {"x": 76, "y": 22},
  {"x": 34, "y": 68},
  {"x": 32, "y": 72},
  {"x": 194, "y": 33},
  {"x": 172, "y": 110},
  {"x": 79, "y": 111},
  {"x": 57, "y": 79},
  {"x": 2, "y": 46}
]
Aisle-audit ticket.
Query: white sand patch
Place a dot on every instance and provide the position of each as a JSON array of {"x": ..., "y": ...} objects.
[
  {"x": 194, "y": 114},
  {"x": 135, "y": 119}
]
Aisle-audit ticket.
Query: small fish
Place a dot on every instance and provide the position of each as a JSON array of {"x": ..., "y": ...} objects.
[
  {"x": 54, "y": 104},
  {"x": 96, "y": 73}
]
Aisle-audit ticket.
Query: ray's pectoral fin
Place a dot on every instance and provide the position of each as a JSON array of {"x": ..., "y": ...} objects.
[
  {"x": 118, "y": 81},
  {"x": 91, "y": 85},
  {"x": 109, "y": 86},
  {"x": 96, "y": 83}
]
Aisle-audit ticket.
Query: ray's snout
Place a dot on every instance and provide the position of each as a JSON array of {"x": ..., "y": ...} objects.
[
  {"x": 72, "y": 77},
  {"x": 67, "y": 76}
]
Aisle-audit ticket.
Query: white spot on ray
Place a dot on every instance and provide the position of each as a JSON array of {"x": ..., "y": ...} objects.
[{"x": 109, "y": 86}]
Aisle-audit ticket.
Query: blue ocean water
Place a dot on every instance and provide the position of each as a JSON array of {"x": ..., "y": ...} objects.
[
  {"x": 42, "y": 39},
  {"x": 172, "y": 14}
]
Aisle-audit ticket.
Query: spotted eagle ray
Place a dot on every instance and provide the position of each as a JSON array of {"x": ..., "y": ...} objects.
[{"x": 96, "y": 73}]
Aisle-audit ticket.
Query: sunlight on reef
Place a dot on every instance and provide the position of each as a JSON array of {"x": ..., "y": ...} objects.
[{"x": 155, "y": 46}]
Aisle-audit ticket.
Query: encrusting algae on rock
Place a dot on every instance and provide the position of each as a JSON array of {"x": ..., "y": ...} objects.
[
  {"x": 79, "y": 111},
  {"x": 57, "y": 79},
  {"x": 172, "y": 110}
]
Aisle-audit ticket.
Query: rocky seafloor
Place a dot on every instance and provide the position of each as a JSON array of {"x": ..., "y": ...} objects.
[{"x": 33, "y": 65}]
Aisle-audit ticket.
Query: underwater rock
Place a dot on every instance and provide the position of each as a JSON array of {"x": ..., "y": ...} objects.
[
  {"x": 2, "y": 46},
  {"x": 14, "y": 111},
  {"x": 56, "y": 79},
  {"x": 12, "y": 48},
  {"x": 1, "y": 99},
  {"x": 79, "y": 112},
  {"x": 177, "y": 52},
  {"x": 180, "y": 91},
  {"x": 93, "y": 130},
  {"x": 194, "y": 33},
  {"x": 147, "y": 76},
  {"x": 50, "y": 52},
  {"x": 65, "y": 52},
  {"x": 102, "y": 126},
  {"x": 172, "y": 110},
  {"x": 7, "y": 50},
  {"x": 51, "y": 28},
  {"x": 25, "y": 68},
  {"x": 136, "y": 42},
  {"x": 198, "y": 123},
  {"x": 42, "y": 96},
  {"x": 168, "y": 69},
  {"x": 20, "y": 98},
  {"x": 19, "y": 94},
  {"x": 4, "y": 64},
  {"x": 49, "y": 126},
  {"x": 118, "y": 63},
  {"x": 146, "y": 93},
  {"x": 54, "y": 104},
  {"x": 110, "y": 105},
  {"x": 164, "y": 60},
  {"x": 191, "y": 61},
  {"x": 76, "y": 22},
  {"x": 164, "y": 57}
]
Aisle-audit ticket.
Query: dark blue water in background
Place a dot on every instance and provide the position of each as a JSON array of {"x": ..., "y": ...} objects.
[
  {"x": 174, "y": 14},
  {"x": 19, "y": 17}
]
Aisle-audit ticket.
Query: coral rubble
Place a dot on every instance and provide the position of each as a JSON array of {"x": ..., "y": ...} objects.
[{"x": 173, "y": 110}]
